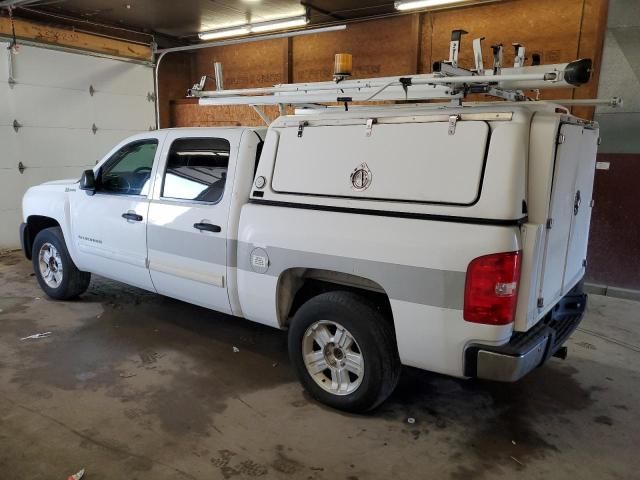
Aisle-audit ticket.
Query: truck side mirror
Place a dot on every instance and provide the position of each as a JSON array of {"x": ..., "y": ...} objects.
[{"x": 88, "y": 182}]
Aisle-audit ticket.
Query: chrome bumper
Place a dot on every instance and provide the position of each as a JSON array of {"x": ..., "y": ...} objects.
[
  {"x": 527, "y": 350},
  {"x": 507, "y": 368}
]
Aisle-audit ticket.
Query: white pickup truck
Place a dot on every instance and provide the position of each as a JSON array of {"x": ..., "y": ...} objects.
[{"x": 451, "y": 239}]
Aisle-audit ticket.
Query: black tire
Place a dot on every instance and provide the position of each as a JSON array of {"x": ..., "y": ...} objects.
[
  {"x": 376, "y": 341},
  {"x": 74, "y": 282}
]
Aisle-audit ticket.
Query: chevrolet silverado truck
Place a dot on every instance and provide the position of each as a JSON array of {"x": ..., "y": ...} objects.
[{"x": 451, "y": 239}]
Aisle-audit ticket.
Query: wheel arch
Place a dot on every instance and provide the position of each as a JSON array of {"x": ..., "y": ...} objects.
[
  {"x": 297, "y": 285},
  {"x": 34, "y": 225}
]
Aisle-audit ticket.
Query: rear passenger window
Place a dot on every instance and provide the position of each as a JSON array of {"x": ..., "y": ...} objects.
[{"x": 196, "y": 169}]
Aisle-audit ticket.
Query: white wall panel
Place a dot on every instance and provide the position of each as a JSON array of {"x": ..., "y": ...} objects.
[
  {"x": 62, "y": 69},
  {"x": 108, "y": 108},
  {"x": 41, "y": 106},
  {"x": 75, "y": 71},
  {"x": 13, "y": 187},
  {"x": 9, "y": 219},
  {"x": 73, "y": 147},
  {"x": 9, "y": 147},
  {"x": 51, "y": 99},
  {"x": 5, "y": 114},
  {"x": 124, "y": 79},
  {"x": 4, "y": 65}
]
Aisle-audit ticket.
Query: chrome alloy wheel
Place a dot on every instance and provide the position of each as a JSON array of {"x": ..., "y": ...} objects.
[
  {"x": 332, "y": 357},
  {"x": 50, "y": 265}
]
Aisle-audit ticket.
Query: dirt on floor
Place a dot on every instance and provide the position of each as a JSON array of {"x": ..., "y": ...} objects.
[{"x": 134, "y": 385}]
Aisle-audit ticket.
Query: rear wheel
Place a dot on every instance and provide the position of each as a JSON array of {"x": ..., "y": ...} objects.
[
  {"x": 344, "y": 351},
  {"x": 57, "y": 275}
]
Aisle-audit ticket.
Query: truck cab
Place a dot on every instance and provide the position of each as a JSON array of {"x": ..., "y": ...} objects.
[{"x": 158, "y": 210}]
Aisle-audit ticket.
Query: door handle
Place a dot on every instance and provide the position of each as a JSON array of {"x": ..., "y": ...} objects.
[
  {"x": 132, "y": 216},
  {"x": 209, "y": 227}
]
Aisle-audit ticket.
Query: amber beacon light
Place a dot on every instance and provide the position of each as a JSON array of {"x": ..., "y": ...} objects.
[{"x": 342, "y": 67}]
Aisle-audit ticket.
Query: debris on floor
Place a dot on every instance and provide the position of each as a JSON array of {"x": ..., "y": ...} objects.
[
  {"x": 76, "y": 476},
  {"x": 148, "y": 357},
  {"x": 411, "y": 420},
  {"x": 235, "y": 349},
  {"x": 36, "y": 336},
  {"x": 517, "y": 461}
]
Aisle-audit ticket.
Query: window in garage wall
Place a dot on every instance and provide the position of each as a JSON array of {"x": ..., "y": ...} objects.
[{"x": 52, "y": 102}]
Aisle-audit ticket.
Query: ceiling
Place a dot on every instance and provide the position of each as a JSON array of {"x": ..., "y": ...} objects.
[{"x": 184, "y": 19}]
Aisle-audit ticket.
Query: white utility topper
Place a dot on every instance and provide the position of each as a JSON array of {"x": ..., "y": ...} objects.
[{"x": 446, "y": 236}]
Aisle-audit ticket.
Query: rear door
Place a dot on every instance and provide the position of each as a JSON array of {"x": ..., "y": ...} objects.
[
  {"x": 569, "y": 213},
  {"x": 188, "y": 217},
  {"x": 582, "y": 206}
]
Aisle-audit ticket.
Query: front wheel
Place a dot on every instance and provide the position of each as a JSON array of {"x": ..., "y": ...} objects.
[
  {"x": 57, "y": 275},
  {"x": 344, "y": 351}
]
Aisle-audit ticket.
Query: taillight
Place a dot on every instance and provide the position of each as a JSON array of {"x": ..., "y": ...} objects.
[{"x": 491, "y": 289}]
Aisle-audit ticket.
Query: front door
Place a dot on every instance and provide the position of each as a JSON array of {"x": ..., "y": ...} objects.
[
  {"x": 188, "y": 216},
  {"x": 110, "y": 227}
]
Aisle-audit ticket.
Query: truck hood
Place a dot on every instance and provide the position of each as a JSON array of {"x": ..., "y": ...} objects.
[{"x": 68, "y": 181}]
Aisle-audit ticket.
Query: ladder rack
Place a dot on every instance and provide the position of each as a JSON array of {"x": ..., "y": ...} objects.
[
  {"x": 432, "y": 86},
  {"x": 448, "y": 82}
]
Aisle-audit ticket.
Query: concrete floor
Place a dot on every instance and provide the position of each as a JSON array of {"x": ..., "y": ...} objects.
[{"x": 137, "y": 386}]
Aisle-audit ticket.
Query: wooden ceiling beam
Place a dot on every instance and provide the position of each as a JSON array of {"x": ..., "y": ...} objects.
[{"x": 41, "y": 33}]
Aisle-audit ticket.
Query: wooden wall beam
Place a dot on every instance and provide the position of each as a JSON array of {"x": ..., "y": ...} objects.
[
  {"x": 416, "y": 35},
  {"x": 287, "y": 54},
  {"x": 590, "y": 45},
  {"x": 37, "y": 32}
]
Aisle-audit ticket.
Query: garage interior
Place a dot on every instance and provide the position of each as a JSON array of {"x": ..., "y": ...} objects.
[{"x": 137, "y": 385}]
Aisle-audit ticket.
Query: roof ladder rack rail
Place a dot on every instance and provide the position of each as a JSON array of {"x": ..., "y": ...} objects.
[{"x": 448, "y": 82}]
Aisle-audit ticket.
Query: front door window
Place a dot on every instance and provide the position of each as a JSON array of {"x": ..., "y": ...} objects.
[{"x": 128, "y": 171}]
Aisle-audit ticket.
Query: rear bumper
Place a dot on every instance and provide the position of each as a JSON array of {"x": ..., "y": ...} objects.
[{"x": 527, "y": 350}]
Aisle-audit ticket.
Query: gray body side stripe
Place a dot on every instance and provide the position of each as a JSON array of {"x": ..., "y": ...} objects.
[
  {"x": 425, "y": 286},
  {"x": 197, "y": 245}
]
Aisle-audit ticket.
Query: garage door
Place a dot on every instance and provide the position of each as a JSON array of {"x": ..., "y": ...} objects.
[{"x": 57, "y": 99}]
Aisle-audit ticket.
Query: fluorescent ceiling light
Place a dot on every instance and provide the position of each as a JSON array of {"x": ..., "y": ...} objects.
[
  {"x": 414, "y": 4},
  {"x": 225, "y": 32},
  {"x": 279, "y": 24},
  {"x": 238, "y": 30}
]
